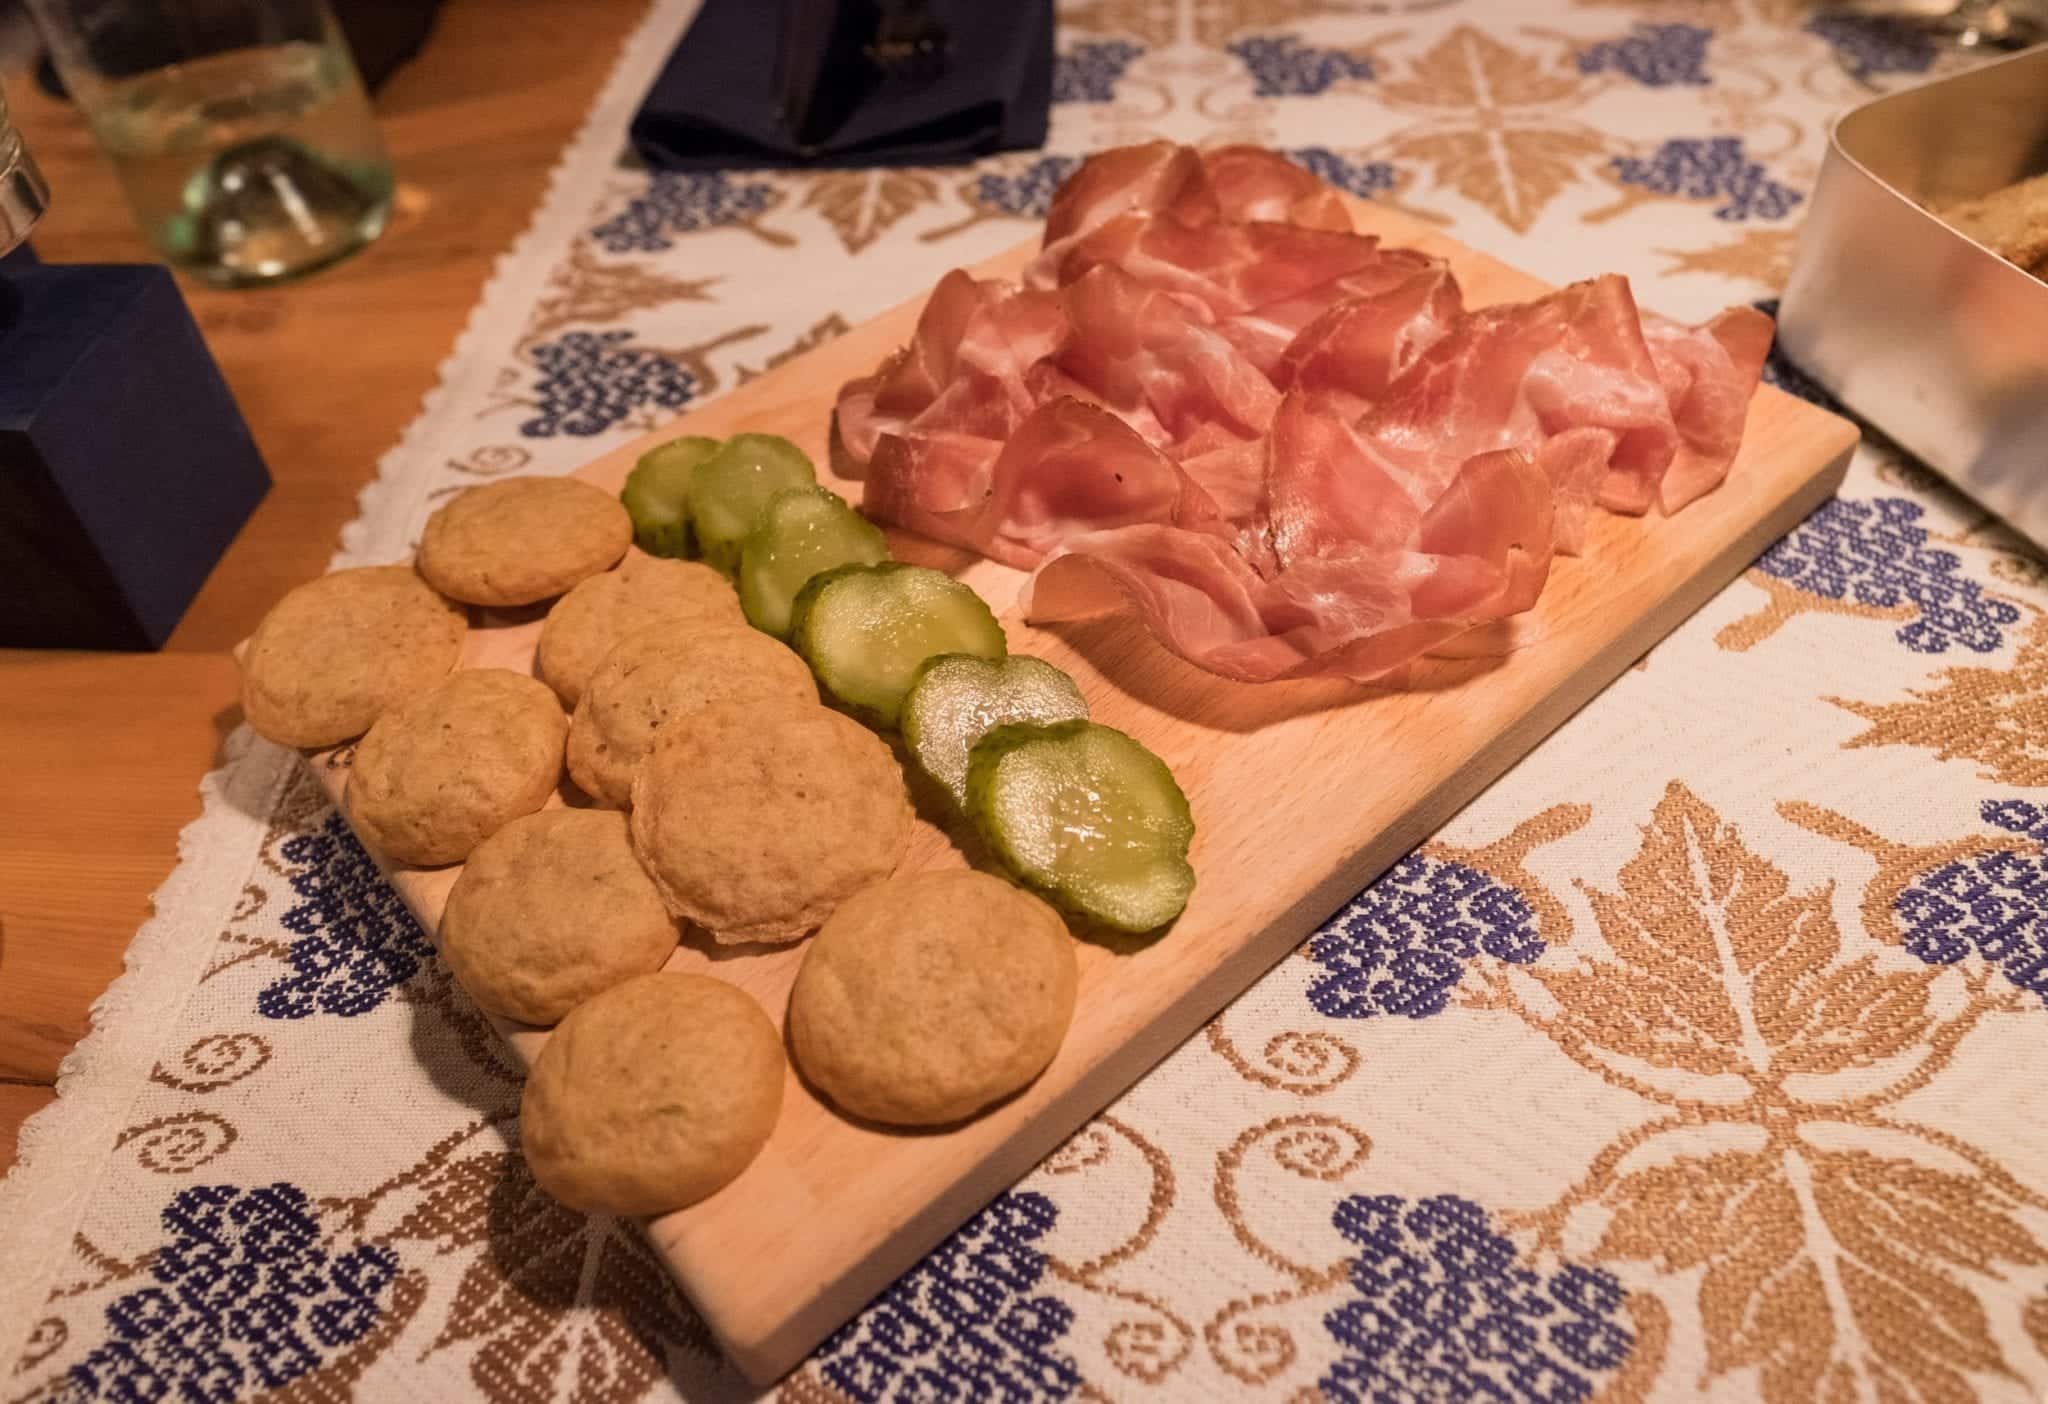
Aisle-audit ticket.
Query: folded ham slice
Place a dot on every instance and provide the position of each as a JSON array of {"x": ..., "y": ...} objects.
[{"x": 1293, "y": 451}]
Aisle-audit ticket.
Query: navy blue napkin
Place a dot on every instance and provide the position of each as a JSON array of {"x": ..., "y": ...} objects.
[{"x": 717, "y": 103}]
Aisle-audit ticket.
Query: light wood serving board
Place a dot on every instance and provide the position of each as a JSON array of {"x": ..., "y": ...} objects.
[{"x": 1302, "y": 793}]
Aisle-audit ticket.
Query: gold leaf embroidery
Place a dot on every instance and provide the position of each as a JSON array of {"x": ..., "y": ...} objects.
[
  {"x": 1721, "y": 968},
  {"x": 2035, "y": 1318},
  {"x": 1784, "y": 603},
  {"x": 1156, "y": 22},
  {"x": 822, "y": 331},
  {"x": 1736, "y": 1215},
  {"x": 1513, "y": 172},
  {"x": 1894, "y": 1224},
  {"x": 589, "y": 290},
  {"x": 861, "y": 206},
  {"x": 1760, "y": 255},
  {"x": 1491, "y": 129},
  {"x": 1996, "y": 717},
  {"x": 1833, "y": 1269},
  {"x": 1469, "y": 69},
  {"x": 1217, "y": 22},
  {"x": 516, "y": 1299}
]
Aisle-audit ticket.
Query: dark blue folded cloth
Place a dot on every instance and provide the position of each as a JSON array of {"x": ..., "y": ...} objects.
[{"x": 718, "y": 103}]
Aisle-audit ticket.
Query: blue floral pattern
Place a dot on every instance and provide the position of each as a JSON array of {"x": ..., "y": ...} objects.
[
  {"x": 1366, "y": 179},
  {"x": 1401, "y": 946},
  {"x": 682, "y": 202},
  {"x": 1089, "y": 72},
  {"x": 1445, "y": 1311},
  {"x": 966, "y": 1323},
  {"x": 356, "y": 940},
  {"x": 1875, "y": 554},
  {"x": 1868, "y": 45},
  {"x": 1655, "y": 55},
  {"x": 590, "y": 381},
  {"x": 1709, "y": 168},
  {"x": 1282, "y": 66},
  {"x": 1995, "y": 904},
  {"x": 246, "y": 1299}
]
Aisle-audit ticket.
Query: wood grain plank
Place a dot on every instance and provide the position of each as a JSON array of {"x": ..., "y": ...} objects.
[
  {"x": 104, "y": 752},
  {"x": 18, "y": 1102},
  {"x": 90, "y": 811},
  {"x": 1302, "y": 792}
]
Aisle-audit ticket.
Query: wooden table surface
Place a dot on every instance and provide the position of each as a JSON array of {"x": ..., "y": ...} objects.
[{"x": 327, "y": 372}]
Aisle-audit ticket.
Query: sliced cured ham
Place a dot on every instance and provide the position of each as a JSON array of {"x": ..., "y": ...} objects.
[
  {"x": 1709, "y": 374},
  {"x": 1144, "y": 354},
  {"x": 1252, "y": 183},
  {"x": 1069, "y": 468},
  {"x": 1292, "y": 451},
  {"x": 1357, "y": 611},
  {"x": 964, "y": 370},
  {"x": 1357, "y": 346}
]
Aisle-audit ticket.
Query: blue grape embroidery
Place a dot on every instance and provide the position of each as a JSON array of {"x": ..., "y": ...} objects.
[
  {"x": 966, "y": 1323},
  {"x": 1090, "y": 72},
  {"x": 356, "y": 940},
  {"x": 245, "y": 1299},
  {"x": 1994, "y": 904},
  {"x": 683, "y": 202},
  {"x": 1867, "y": 45},
  {"x": 1282, "y": 66},
  {"x": 1445, "y": 1311},
  {"x": 1401, "y": 946},
  {"x": 590, "y": 381},
  {"x": 1027, "y": 194},
  {"x": 1655, "y": 55},
  {"x": 1366, "y": 179},
  {"x": 1709, "y": 168},
  {"x": 1875, "y": 554}
]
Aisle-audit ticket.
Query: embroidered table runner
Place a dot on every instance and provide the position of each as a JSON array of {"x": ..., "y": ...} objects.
[{"x": 1704, "y": 1056}]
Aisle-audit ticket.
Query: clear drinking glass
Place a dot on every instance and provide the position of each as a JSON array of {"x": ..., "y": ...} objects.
[
  {"x": 23, "y": 195},
  {"x": 238, "y": 128}
]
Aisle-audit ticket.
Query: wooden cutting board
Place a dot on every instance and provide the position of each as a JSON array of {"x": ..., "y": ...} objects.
[{"x": 1302, "y": 792}]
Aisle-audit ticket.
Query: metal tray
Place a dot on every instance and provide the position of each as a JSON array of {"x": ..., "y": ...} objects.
[{"x": 1928, "y": 335}]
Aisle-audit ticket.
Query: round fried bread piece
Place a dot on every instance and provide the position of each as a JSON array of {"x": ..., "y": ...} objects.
[
  {"x": 519, "y": 540},
  {"x": 928, "y": 997},
  {"x": 550, "y": 910},
  {"x": 645, "y": 592},
  {"x": 758, "y": 818},
  {"x": 652, "y": 1095},
  {"x": 437, "y": 776},
  {"x": 659, "y": 673},
  {"x": 337, "y": 652}
]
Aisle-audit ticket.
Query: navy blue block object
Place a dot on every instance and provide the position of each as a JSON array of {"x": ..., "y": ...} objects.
[{"x": 125, "y": 468}]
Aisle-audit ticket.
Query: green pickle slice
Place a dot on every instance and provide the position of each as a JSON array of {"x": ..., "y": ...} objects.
[
  {"x": 657, "y": 494},
  {"x": 801, "y": 532},
  {"x": 959, "y": 698},
  {"x": 866, "y": 630},
  {"x": 1087, "y": 816},
  {"x": 732, "y": 487}
]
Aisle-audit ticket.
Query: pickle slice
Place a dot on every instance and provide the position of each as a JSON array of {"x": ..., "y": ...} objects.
[
  {"x": 657, "y": 494},
  {"x": 958, "y": 698},
  {"x": 866, "y": 630},
  {"x": 1087, "y": 816},
  {"x": 732, "y": 486},
  {"x": 801, "y": 532}
]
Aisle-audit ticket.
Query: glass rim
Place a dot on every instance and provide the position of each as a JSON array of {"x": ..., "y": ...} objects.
[{"x": 24, "y": 194}]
